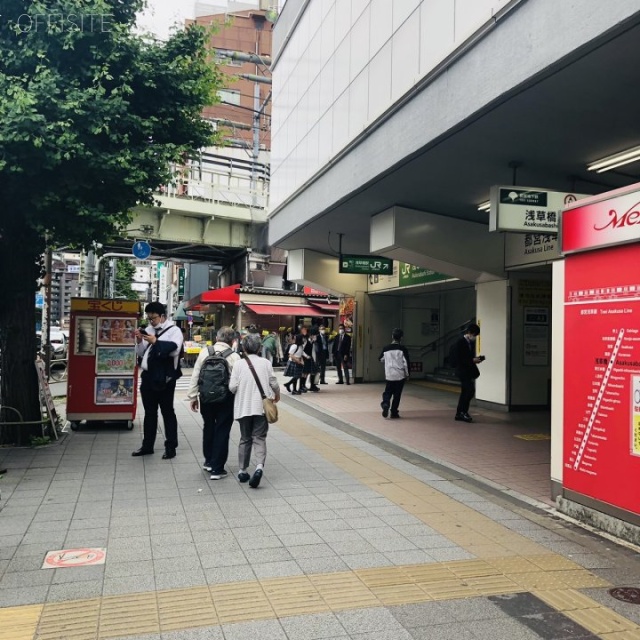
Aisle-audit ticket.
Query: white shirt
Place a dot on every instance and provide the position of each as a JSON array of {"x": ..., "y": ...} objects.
[
  {"x": 248, "y": 399},
  {"x": 172, "y": 334}
]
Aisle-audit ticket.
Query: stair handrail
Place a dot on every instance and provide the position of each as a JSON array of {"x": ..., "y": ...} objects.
[{"x": 434, "y": 344}]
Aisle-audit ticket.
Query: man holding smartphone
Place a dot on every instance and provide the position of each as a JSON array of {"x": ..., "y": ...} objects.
[
  {"x": 466, "y": 364},
  {"x": 159, "y": 345}
]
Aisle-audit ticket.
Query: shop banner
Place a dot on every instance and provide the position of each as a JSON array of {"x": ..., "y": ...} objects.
[
  {"x": 601, "y": 376},
  {"x": 605, "y": 222}
]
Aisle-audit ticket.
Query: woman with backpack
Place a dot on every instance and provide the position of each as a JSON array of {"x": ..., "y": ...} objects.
[{"x": 294, "y": 365}]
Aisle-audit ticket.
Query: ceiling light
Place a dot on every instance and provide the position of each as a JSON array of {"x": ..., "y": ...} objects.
[
  {"x": 616, "y": 160},
  {"x": 484, "y": 206}
]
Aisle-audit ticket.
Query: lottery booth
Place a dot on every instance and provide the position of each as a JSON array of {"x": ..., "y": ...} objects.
[
  {"x": 102, "y": 381},
  {"x": 600, "y": 399}
]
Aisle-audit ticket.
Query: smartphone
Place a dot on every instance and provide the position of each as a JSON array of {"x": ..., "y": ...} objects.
[
  {"x": 482, "y": 358},
  {"x": 142, "y": 330}
]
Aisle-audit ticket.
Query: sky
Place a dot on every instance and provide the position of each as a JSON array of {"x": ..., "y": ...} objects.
[{"x": 161, "y": 14}]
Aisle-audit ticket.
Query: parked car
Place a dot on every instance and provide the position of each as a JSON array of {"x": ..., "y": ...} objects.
[{"x": 59, "y": 344}]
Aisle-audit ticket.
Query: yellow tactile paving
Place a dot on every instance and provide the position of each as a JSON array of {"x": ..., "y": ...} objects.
[
  {"x": 186, "y": 608},
  {"x": 136, "y": 614},
  {"x": 566, "y": 600},
  {"x": 505, "y": 562},
  {"x": 20, "y": 623},
  {"x": 601, "y": 621},
  {"x": 76, "y": 620},
  {"x": 241, "y": 601}
]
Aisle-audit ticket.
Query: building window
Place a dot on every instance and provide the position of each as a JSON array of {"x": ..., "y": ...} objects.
[{"x": 229, "y": 96}]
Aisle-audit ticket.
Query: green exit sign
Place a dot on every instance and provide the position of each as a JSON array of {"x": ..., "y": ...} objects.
[{"x": 366, "y": 265}]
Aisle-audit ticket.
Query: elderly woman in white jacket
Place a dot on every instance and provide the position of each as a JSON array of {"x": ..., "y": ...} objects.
[{"x": 248, "y": 410}]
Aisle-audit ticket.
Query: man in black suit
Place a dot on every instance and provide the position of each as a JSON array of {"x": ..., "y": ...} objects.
[
  {"x": 322, "y": 345},
  {"x": 466, "y": 364},
  {"x": 342, "y": 353}
]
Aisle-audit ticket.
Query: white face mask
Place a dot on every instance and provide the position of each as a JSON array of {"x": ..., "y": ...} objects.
[
  {"x": 472, "y": 338},
  {"x": 341, "y": 331}
]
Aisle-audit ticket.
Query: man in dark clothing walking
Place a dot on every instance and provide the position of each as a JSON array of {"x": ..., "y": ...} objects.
[
  {"x": 396, "y": 371},
  {"x": 466, "y": 364}
]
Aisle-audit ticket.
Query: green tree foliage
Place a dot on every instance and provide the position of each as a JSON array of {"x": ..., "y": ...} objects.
[
  {"x": 92, "y": 114},
  {"x": 123, "y": 279}
]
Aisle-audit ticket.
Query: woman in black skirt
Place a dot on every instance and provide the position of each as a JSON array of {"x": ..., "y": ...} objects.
[
  {"x": 310, "y": 368},
  {"x": 294, "y": 365}
]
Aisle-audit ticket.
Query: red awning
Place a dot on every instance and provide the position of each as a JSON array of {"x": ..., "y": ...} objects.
[
  {"x": 224, "y": 295},
  {"x": 283, "y": 310},
  {"x": 326, "y": 306}
]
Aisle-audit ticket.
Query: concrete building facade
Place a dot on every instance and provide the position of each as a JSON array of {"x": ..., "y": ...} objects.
[{"x": 392, "y": 121}]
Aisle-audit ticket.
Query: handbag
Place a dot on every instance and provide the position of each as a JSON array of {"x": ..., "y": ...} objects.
[{"x": 269, "y": 406}]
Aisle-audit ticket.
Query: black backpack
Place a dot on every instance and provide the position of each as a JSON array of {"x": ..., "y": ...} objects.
[
  {"x": 453, "y": 355},
  {"x": 213, "y": 381}
]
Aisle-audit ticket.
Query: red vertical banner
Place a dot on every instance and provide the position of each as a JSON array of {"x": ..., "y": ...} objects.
[{"x": 602, "y": 376}]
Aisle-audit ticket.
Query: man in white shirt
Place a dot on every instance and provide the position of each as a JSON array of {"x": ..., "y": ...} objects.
[{"x": 159, "y": 346}]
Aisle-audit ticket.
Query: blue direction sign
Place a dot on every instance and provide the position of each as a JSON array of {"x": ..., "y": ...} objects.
[{"x": 141, "y": 249}]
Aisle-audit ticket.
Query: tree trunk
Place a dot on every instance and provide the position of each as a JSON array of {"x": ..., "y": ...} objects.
[{"x": 20, "y": 255}]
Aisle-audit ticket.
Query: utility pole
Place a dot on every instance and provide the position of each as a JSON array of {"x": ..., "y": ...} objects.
[{"x": 88, "y": 275}]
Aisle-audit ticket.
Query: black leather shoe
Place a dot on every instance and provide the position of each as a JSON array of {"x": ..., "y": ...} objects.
[
  {"x": 323, "y": 382},
  {"x": 287, "y": 386},
  {"x": 463, "y": 417},
  {"x": 314, "y": 388},
  {"x": 168, "y": 454},
  {"x": 348, "y": 382},
  {"x": 339, "y": 382},
  {"x": 142, "y": 452}
]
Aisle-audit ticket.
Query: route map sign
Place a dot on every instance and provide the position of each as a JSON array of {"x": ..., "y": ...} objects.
[{"x": 602, "y": 376}]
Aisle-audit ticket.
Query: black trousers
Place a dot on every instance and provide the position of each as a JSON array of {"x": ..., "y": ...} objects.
[
  {"x": 393, "y": 390},
  {"x": 153, "y": 400},
  {"x": 218, "y": 420},
  {"x": 467, "y": 391},
  {"x": 341, "y": 366},
  {"x": 322, "y": 365}
]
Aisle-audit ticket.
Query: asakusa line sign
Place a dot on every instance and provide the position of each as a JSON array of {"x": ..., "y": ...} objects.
[{"x": 602, "y": 222}]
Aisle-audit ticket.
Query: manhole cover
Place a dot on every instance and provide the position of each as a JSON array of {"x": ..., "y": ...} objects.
[{"x": 626, "y": 594}]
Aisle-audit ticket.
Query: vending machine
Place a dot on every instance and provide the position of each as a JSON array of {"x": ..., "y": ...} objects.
[{"x": 102, "y": 380}]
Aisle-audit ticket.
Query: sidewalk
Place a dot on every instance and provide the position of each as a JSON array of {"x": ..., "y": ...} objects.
[
  {"x": 510, "y": 450},
  {"x": 343, "y": 540}
]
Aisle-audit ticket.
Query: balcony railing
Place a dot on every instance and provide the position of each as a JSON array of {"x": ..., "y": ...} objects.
[{"x": 230, "y": 185}]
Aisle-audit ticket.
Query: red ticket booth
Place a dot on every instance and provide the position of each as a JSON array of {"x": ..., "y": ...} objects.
[
  {"x": 102, "y": 382},
  {"x": 600, "y": 238}
]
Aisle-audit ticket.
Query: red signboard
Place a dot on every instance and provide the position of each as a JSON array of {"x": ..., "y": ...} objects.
[
  {"x": 602, "y": 376},
  {"x": 602, "y": 221}
]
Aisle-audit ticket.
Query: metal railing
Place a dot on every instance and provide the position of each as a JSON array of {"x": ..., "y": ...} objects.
[
  {"x": 223, "y": 183},
  {"x": 446, "y": 339}
]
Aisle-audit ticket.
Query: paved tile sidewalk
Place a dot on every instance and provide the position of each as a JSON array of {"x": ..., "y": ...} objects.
[{"x": 342, "y": 540}]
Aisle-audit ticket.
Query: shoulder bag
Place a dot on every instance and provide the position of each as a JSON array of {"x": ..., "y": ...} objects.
[{"x": 269, "y": 406}]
